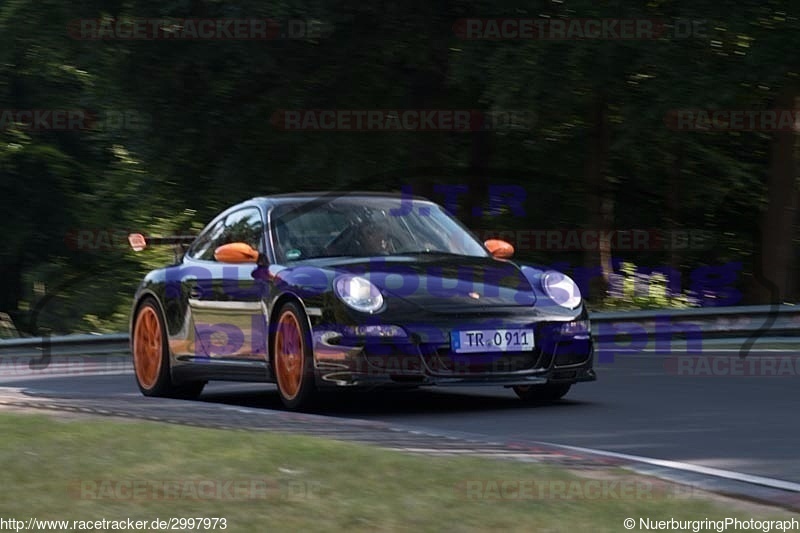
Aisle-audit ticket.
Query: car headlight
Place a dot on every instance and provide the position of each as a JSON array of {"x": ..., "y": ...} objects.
[
  {"x": 358, "y": 293},
  {"x": 561, "y": 289}
]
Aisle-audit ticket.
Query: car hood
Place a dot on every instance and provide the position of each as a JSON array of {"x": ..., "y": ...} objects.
[{"x": 442, "y": 282}]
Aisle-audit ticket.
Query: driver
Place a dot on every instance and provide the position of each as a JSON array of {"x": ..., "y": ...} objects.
[{"x": 374, "y": 237}]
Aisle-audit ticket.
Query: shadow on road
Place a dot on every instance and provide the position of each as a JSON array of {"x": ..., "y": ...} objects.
[{"x": 353, "y": 403}]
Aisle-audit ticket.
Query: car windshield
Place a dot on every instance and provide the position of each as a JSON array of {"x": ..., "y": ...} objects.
[{"x": 364, "y": 227}]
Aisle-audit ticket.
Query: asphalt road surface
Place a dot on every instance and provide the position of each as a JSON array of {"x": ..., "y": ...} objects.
[{"x": 640, "y": 405}]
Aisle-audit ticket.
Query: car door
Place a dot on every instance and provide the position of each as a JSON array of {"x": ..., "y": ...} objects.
[{"x": 225, "y": 301}]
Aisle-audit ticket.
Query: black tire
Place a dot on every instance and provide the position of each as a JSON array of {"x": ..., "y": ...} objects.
[
  {"x": 158, "y": 381},
  {"x": 550, "y": 392},
  {"x": 297, "y": 387}
]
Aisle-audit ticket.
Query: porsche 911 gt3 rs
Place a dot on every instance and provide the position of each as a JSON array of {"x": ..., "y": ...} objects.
[{"x": 327, "y": 290}]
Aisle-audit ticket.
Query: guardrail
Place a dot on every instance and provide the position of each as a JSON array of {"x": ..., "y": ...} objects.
[
  {"x": 703, "y": 323},
  {"x": 66, "y": 345}
]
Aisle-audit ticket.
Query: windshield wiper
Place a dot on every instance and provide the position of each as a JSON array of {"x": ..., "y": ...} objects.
[
  {"x": 324, "y": 256},
  {"x": 426, "y": 252}
]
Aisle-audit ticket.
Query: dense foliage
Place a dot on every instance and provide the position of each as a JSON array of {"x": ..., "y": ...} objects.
[{"x": 183, "y": 128}]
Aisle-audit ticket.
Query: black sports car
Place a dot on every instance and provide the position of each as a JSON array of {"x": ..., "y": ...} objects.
[{"x": 329, "y": 290}]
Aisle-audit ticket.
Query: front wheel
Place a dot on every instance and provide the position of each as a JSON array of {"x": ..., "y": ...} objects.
[
  {"x": 151, "y": 356},
  {"x": 549, "y": 392},
  {"x": 293, "y": 360}
]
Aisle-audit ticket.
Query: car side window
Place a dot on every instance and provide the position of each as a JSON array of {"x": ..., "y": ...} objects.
[
  {"x": 243, "y": 225},
  {"x": 203, "y": 247}
]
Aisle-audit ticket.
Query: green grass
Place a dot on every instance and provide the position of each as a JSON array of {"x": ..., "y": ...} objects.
[{"x": 312, "y": 484}]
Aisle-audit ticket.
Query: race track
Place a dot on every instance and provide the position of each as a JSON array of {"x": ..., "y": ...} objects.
[{"x": 745, "y": 424}]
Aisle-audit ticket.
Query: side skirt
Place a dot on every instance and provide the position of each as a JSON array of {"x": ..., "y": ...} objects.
[{"x": 203, "y": 369}]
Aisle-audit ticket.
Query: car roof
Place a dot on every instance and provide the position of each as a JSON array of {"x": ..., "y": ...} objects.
[
  {"x": 321, "y": 195},
  {"x": 266, "y": 202}
]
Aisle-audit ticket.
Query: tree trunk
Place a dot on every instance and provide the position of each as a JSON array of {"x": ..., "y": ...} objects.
[
  {"x": 477, "y": 200},
  {"x": 777, "y": 226},
  {"x": 673, "y": 202},
  {"x": 600, "y": 201},
  {"x": 11, "y": 288},
  {"x": 428, "y": 90}
]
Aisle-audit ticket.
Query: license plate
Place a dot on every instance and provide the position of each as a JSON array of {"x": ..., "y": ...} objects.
[{"x": 492, "y": 340}]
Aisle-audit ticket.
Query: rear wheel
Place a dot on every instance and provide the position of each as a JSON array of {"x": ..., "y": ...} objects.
[
  {"x": 151, "y": 356},
  {"x": 292, "y": 357},
  {"x": 549, "y": 392}
]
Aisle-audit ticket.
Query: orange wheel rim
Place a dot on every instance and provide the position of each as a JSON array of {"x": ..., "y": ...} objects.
[
  {"x": 147, "y": 347},
  {"x": 289, "y": 355}
]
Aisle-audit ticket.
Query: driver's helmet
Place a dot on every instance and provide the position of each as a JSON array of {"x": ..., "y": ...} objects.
[{"x": 374, "y": 233}]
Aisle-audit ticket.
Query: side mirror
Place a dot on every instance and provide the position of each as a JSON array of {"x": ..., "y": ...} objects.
[
  {"x": 236, "y": 252},
  {"x": 499, "y": 249}
]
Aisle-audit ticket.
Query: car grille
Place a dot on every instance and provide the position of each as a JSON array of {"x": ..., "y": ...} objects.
[
  {"x": 572, "y": 353},
  {"x": 389, "y": 358},
  {"x": 442, "y": 359},
  {"x": 416, "y": 358}
]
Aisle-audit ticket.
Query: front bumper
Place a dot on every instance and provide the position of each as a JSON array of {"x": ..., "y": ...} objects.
[{"x": 426, "y": 358}]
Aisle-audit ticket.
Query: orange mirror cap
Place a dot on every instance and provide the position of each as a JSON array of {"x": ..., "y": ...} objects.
[
  {"x": 137, "y": 242},
  {"x": 236, "y": 252},
  {"x": 499, "y": 248}
]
